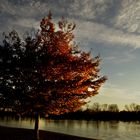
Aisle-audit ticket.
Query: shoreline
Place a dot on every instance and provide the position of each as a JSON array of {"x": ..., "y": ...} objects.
[{"x": 9, "y": 133}]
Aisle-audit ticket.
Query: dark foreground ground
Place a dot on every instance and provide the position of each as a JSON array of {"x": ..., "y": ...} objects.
[{"x": 7, "y": 133}]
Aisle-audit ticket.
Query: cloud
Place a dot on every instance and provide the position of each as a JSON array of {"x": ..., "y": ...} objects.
[
  {"x": 101, "y": 33},
  {"x": 97, "y": 10},
  {"x": 99, "y": 21},
  {"x": 124, "y": 55},
  {"x": 26, "y": 23},
  {"x": 128, "y": 18}
]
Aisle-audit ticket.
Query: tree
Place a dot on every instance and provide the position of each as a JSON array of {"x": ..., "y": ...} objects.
[
  {"x": 127, "y": 108},
  {"x": 133, "y": 107},
  {"x": 96, "y": 107},
  {"x": 46, "y": 74},
  {"x": 104, "y": 107},
  {"x": 113, "y": 108}
]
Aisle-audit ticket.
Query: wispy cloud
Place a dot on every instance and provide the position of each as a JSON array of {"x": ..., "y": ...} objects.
[
  {"x": 124, "y": 56},
  {"x": 104, "y": 21},
  {"x": 101, "y": 33},
  {"x": 128, "y": 18},
  {"x": 98, "y": 21}
]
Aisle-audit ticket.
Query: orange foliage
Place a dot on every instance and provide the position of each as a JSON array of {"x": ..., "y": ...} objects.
[{"x": 71, "y": 74}]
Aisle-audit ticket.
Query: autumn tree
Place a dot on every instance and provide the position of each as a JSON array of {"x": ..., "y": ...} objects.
[{"x": 48, "y": 73}]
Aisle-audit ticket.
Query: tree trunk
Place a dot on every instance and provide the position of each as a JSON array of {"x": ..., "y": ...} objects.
[{"x": 36, "y": 130}]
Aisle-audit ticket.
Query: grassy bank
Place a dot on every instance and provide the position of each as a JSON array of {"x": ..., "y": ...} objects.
[{"x": 7, "y": 133}]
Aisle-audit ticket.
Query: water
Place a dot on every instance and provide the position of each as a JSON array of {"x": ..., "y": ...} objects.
[{"x": 110, "y": 130}]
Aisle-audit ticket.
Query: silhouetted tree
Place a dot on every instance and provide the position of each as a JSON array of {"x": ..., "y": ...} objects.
[
  {"x": 104, "y": 107},
  {"x": 96, "y": 107},
  {"x": 133, "y": 107},
  {"x": 46, "y": 74},
  {"x": 127, "y": 108},
  {"x": 137, "y": 108},
  {"x": 113, "y": 108}
]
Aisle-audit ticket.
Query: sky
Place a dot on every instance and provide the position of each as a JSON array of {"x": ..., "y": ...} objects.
[{"x": 110, "y": 28}]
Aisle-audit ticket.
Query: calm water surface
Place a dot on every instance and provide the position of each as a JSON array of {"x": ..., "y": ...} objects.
[{"x": 110, "y": 130}]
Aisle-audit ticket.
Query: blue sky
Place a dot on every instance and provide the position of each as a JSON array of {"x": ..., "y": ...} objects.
[{"x": 110, "y": 27}]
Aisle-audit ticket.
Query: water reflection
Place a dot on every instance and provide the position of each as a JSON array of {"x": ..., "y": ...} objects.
[{"x": 107, "y": 130}]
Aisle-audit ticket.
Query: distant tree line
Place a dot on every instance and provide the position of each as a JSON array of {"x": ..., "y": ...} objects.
[{"x": 105, "y": 112}]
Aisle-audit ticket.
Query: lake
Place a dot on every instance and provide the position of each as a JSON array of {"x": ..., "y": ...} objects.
[{"x": 106, "y": 130}]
